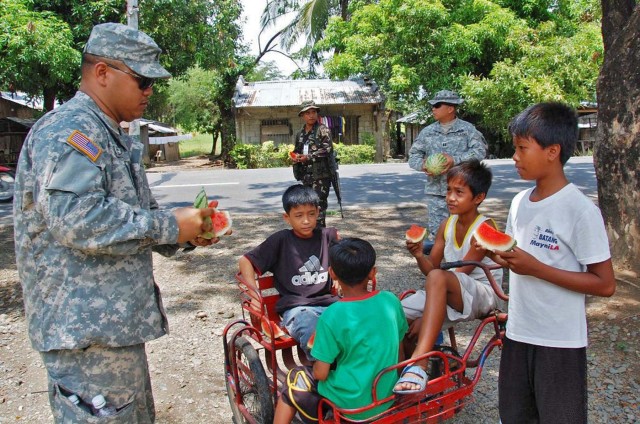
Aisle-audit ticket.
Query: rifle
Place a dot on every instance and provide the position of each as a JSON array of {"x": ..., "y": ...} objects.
[{"x": 335, "y": 178}]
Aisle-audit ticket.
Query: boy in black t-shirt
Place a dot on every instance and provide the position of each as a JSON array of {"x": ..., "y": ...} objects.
[{"x": 299, "y": 261}]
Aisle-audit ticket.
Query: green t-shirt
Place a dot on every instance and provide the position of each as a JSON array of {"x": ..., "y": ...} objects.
[{"x": 362, "y": 336}]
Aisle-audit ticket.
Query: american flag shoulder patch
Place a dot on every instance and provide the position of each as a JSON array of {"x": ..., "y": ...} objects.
[{"x": 85, "y": 145}]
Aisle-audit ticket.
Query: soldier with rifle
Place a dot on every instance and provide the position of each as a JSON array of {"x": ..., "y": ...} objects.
[{"x": 315, "y": 164}]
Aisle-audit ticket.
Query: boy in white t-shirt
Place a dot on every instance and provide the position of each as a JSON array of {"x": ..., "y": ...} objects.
[{"x": 562, "y": 254}]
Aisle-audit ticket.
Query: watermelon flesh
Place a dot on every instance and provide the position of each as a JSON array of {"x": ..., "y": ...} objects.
[
  {"x": 435, "y": 164},
  {"x": 293, "y": 155},
  {"x": 221, "y": 222},
  {"x": 491, "y": 239},
  {"x": 270, "y": 328},
  {"x": 416, "y": 233}
]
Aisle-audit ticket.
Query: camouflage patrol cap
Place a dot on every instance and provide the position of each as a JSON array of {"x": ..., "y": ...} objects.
[
  {"x": 305, "y": 106},
  {"x": 446, "y": 96},
  {"x": 132, "y": 47}
]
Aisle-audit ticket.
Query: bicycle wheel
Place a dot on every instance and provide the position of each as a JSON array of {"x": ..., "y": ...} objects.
[{"x": 253, "y": 385}]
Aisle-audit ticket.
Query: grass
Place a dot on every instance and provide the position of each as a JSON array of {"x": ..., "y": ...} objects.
[{"x": 199, "y": 145}]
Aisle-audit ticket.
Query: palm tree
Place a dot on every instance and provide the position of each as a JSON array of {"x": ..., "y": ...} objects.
[{"x": 309, "y": 22}]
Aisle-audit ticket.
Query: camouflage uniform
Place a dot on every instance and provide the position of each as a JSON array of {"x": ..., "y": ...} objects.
[
  {"x": 86, "y": 224},
  {"x": 315, "y": 173},
  {"x": 462, "y": 142}
]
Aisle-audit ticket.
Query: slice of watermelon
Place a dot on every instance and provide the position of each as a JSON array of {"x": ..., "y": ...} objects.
[
  {"x": 491, "y": 239},
  {"x": 271, "y": 328},
  {"x": 311, "y": 341},
  {"x": 221, "y": 222},
  {"x": 293, "y": 155},
  {"x": 416, "y": 233}
]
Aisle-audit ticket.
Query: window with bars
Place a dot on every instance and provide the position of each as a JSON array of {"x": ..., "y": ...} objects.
[{"x": 276, "y": 130}]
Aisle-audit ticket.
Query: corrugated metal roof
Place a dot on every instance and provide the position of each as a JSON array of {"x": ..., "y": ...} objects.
[
  {"x": 293, "y": 92},
  {"x": 415, "y": 118},
  {"x": 22, "y": 99}
]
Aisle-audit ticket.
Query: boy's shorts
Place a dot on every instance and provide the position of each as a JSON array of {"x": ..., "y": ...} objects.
[
  {"x": 300, "y": 391},
  {"x": 542, "y": 384},
  {"x": 300, "y": 323},
  {"x": 478, "y": 300}
]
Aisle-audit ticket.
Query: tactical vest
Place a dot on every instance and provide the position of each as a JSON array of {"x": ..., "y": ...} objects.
[{"x": 316, "y": 170}]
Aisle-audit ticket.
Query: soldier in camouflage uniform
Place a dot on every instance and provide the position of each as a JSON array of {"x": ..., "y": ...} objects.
[
  {"x": 85, "y": 228},
  {"x": 314, "y": 148},
  {"x": 458, "y": 140}
]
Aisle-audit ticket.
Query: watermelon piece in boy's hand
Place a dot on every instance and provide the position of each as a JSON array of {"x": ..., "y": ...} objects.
[
  {"x": 491, "y": 239},
  {"x": 416, "y": 233}
]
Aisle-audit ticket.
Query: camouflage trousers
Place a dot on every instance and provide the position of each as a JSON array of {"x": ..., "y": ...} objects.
[
  {"x": 120, "y": 374},
  {"x": 321, "y": 187},
  {"x": 437, "y": 212}
]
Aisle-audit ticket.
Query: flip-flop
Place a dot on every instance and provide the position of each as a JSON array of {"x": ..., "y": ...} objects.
[{"x": 420, "y": 380}]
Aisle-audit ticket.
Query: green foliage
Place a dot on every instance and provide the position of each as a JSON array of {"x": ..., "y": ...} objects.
[
  {"x": 199, "y": 145},
  {"x": 268, "y": 155},
  {"x": 191, "y": 100},
  {"x": 266, "y": 71},
  {"x": 265, "y": 155},
  {"x": 36, "y": 49},
  {"x": 554, "y": 69},
  {"x": 355, "y": 153},
  {"x": 502, "y": 55}
]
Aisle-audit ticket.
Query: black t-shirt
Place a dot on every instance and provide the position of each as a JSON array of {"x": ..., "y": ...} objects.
[{"x": 300, "y": 267}]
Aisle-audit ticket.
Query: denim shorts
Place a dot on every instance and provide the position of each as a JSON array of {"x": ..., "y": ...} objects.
[{"x": 300, "y": 322}]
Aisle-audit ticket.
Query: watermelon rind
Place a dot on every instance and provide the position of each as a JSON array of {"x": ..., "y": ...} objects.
[
  {"x": 435, "y": 164},
  {"x": 201, "y": 202},
  {"x": 415, "y": 234},
  {"x": 492, "y": 239}
]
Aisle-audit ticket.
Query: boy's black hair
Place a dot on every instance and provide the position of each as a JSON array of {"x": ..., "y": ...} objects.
[
  {"x": 474, "y": 173},
  {"x": 298, "y": 195},
  {"x": 548, "y": 123},
  {"x": 352, "y": 259}
]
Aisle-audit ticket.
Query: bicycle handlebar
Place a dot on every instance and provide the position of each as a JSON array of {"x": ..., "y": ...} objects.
[{"x": 486, "y": 268}]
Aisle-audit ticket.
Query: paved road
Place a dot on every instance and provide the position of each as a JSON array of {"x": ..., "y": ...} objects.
[
  {"x": 363, "y": 186},
  {"x": 368, "y": 186}
]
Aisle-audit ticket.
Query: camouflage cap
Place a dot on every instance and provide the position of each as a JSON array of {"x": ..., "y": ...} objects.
[
  {"x": 448, "y": 97},
  {"x": 132, "y": 47},
  {"x": 305, "y": 106}
]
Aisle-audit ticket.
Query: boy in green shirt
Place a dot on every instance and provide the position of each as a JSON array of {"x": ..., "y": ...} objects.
[{"x": 361, "y": 333}]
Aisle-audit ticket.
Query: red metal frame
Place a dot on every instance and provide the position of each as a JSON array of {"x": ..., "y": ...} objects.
[{"x": 443, "y": 398}]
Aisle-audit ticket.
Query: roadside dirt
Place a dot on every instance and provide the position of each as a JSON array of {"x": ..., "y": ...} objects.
[{"x": 200, "y": 297}]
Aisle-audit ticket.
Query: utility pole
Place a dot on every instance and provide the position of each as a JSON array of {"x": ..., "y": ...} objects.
[{"x": 134, "y": 126}]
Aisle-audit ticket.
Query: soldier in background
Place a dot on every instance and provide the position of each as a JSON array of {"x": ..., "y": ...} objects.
[
  {"x": 85, "y": 228},
  {"x": 315, "y": 150},
  {"x": 458, "y": 140}
]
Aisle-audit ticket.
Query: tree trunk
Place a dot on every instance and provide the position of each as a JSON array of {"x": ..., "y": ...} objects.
[
  {"x": 49, "y": 94},
  {"x": 617, "y": 146}
]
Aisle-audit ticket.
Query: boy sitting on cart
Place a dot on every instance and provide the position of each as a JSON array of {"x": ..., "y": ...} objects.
[
  {"x": 449, "y": 296},
  {"x": 361, "y": 334},
  {"x": 299, "y": 261}
]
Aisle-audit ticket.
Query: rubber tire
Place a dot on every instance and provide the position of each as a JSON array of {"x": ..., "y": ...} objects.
[{"x": 254, "y": 385}]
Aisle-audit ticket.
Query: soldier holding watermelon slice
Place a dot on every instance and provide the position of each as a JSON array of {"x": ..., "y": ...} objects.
[{"x": 438, "y": 147}]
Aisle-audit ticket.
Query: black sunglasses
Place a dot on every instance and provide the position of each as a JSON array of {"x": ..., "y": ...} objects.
[
  {"x": 437, "y": 105},
  {"x": 143, "y": 82}
]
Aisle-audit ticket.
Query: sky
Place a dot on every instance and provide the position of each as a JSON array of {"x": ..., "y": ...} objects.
[{"x": 251, "y": 28}]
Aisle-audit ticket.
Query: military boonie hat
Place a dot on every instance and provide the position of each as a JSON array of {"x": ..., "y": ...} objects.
[
  {"x": 446, "y": 96},
  {"x": 132, "y": 47},
  {"x": 305, "y": 106}
]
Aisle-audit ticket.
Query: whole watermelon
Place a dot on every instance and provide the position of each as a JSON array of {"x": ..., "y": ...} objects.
[{"x": 435, "y": 164}]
